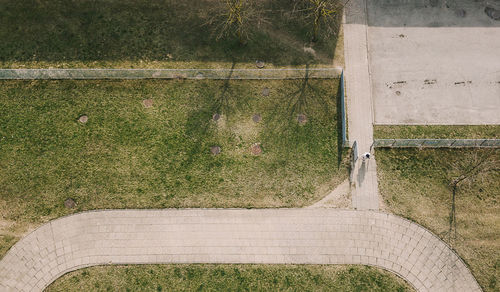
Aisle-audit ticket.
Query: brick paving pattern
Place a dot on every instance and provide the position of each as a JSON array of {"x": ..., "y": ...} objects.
[{"x": 271, "y": 236}]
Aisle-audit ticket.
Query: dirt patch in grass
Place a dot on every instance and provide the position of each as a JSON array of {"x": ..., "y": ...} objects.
[
  {"x": 230, "y": 278},
  {"x": 149, "y": 34},
  {"x": 415, "y": 184},
  {"x": 129, "y": 156},
  {"x": 436, "y": 132}
]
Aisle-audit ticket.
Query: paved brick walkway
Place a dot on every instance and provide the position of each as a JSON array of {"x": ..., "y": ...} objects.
[{"x": 274, "y": 236}]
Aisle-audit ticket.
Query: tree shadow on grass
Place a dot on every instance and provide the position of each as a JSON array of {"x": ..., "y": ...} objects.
[
  {"x": 201, "y": 126},
  {"x": 305, "y": 92},
  {"x": 307, "y": 98}
]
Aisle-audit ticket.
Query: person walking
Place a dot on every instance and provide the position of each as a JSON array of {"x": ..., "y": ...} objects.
[{"x": 366, "y": 156}]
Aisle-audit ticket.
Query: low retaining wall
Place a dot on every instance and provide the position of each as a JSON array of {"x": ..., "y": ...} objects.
[
  {"x": 436, "y": 143},
  {"x": 316, "y": 73}
]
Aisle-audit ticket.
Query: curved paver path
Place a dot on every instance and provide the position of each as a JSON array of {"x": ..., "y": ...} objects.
[{"x": 277, "y": 236}]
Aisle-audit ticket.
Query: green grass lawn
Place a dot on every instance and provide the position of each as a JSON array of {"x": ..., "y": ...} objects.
[
  {"x": 436, "y": 132},
  {"x": 414, "y": 184},
  {"x": 149, "y": 34},
  {"x": 129, "y": 156},
  {"x": 230, "y": 278}
]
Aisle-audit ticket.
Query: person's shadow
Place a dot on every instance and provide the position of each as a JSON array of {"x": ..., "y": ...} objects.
[{"x": 361, "y": 173}]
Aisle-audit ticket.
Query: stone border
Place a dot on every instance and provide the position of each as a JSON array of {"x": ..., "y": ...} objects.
[
  {"x": 270, "y": 236},
  {"x": 237, "y": 74},
  {"x": 436, "y": 143}
]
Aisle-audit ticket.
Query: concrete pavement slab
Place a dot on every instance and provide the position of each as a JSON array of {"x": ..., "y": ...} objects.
[{"x": 430, "y": 64}]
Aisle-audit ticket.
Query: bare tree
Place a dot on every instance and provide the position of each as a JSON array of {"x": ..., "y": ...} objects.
[
  {"x": 469, "y": 169},
  {"x": 323, "y": 13},
  {"x": 235, "y": 18}
]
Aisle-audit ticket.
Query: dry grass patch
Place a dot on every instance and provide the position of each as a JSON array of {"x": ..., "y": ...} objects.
[{"x": 415, "y": 184}]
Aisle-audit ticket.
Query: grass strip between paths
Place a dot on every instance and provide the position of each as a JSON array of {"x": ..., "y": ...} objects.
[{"x": 230, "y": 278}]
